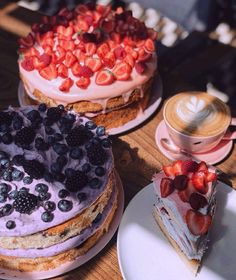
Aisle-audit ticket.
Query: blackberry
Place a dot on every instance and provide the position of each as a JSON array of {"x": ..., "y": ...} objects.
[
  {"x": 51, "y": 140},
  {"x": 47, "y": 121},
  {"x": 54, "y": 114},
  {"x": 60, "y": 177},
  {"x": 77, "y": 136},
  {"x": 42, "y": 107},
  {"x": 4, "y": 128},
  {"x": 25, "y": 202},
  {"x": 25, "y": 136},
  {"x": 70, "y": 117},
  {"x": 76, "y": 181},
  {"x": 7, "y": 138},
  {"x": 10, "y": 224},
  {"x": 3, "y": 155},
  {"x": 34, "y": 168},
  {"x": 18, "y": 160},
  {"x": 96, "y": 154},
  {"x": 5, "y": 118},
  {"x": 40, "y": 144}
]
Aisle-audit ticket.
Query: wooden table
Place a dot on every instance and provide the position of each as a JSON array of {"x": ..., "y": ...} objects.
[{"x": 188, "y": 66}]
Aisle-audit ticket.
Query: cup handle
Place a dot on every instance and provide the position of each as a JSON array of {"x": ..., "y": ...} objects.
[{"x": 230, "y": 135}]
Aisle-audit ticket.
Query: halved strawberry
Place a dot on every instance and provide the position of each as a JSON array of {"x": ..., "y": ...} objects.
[
  {"x": 94, "y": 64},
  {"x": 81, "y": 46},
  {"x": 85, "y": 71},
  {"x": 210, "y": 177},
  {"x": 128, "y": 41},
  {"x": 122, "y": 71},
  {"x": 185, "y": 194},
  {"x": 89, "y": 19},
  {"x": 42, "y": 61},
  {"x": 70, "y": 59},
  {"x": 104, "y": 77},
  {"x": 149, "y": 45},
  {"x": 27, "y": 41},
  {"x": 29, "y": 52},
  {"x": 67, "y": 44},
  {"x": 112, "y": 44},
  {"x": 90, "y": 48},
  {"x": 75, "y": 69},
  {"x": 198, "y": 224},
  {"x": 140, "y": 43},
  {"x": 115, "y": 37},
  {"x": 109, "y": 59},
  {"x": 103, "y": 49},
  {"x": 199, "y": 182},
  {"x": 81, "y": 25},
  {"x": 168, "y": 170},
  {"x": 27, "y": 64},
  {"x": 140, "y": 67},
  {"x": 66, "y": 85},
  {"x": 67, "y": 32},
  {"x": 48, "y": 49},
  {"x": 83, "y": 82},
  {"x": 62, "y": 71},
  {"x": 129, "y": 59},
  {"x": 143, "y": 56},
  {"x": 166, "y": 187},
  {"x": 197, "y": 201},
  {"x": 202, "y": 166},
  {"x": 47, "y": 42},
  {"x": 180, "y": 182},
  {"x": 177, "y": 166},
  {"x": 61, "y": 54},
  {"x": 49, "y": 72},
  {"x": 189, "y": 166},
  {"x": 81, "y": 56},
  {"x": 81, "y": 9},
  {"x": 120, "y": 52}
]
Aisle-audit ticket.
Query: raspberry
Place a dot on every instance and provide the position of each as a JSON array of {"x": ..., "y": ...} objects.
[
  {"x": 25, "y": 202},
  {"x": 77, "y": 136},
  {"x": 76, "y": 182},
  {"x": 25, "y": 136},
  {"x": 34, "y": 168},
  {"x": 96, "y": 154}
]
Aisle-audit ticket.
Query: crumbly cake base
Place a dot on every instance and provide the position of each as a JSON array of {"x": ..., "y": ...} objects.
[
  {"x": 192, "y": 264},
  {"x": 46, "y": 263}
]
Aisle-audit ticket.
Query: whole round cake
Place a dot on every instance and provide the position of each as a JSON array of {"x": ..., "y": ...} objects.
[
  {"x": 93, "y": 60},
  {"x": 58, "y": 189}
]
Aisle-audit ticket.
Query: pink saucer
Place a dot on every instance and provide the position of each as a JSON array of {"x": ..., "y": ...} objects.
[{"x": 212, "y": 157}]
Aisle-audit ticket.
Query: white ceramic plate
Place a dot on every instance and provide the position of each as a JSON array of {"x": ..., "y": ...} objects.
[
  {"x": 152, "y": 106},
  {"x": 145, "y": 254},
  {"x": 11, "y": 275}
]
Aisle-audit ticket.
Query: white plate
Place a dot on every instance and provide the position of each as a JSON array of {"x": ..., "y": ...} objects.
[
  {"x": 7, "y": 274},
  {"x": 145, "y": 254},
  {"x": 156, "y": 97}
]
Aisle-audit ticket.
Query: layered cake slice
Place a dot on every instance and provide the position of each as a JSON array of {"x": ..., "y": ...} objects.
[
  {"x": 97, "y": 61},
  {"x": 58, "y": 189},
  {"x": 185, "y": 207}
]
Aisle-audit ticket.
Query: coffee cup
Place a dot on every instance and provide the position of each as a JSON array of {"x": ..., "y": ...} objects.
[{"x": 197, "y": 122}]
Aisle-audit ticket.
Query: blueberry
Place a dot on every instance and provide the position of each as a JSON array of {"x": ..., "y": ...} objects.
[
  {"x": 3, "y": 155},
  {"x": 13, "y": 194},
  {"x": 44, "y": 196},
  {"x": 90, "y": 125},
  {"x": 7, "y": 175},
  {"x": 55, "y": 167},
  {"x": 86, "y": 167},
  {"x": 7, "y": 138},
  {"x": 17, "y": 122},
  {"x": 65, "y": 205},
  {"x": 47, "y": 217},
  {"x": 60, "y": 177},
  {"x": 4, "y": 188},
  {"x": 41, "y": 188},
  {"x": 5, "y": 162},
  {"x": 61, "y": 107},
  {"x": 100, "y": 131},
  {"x": 49, "y": 206},
  {"x": 41, "y": 145},
  {"x": 81, "y": 196},
  {"x": 62, "y": 160},
  {"x": 33, "y": 115},
  {"x": 49, "y": 130},
  {"x": 51, "y": 140},
  {"x": 100, "y": 171},
  {"x": 60, "y": 149},
  {"x": 63, "y": 193},
  {"x": 10, "y": 224},
  {"x": 94, "y": 183},
  {"x": 23, "y": 190},
  {"x": 42, "y": 107},
  {"x": 18, "y": 160},
  {"x": 58, "y": 137},
  {"x": 71, "y": 118},
  {"x": 48, "y": 177},
  {"x": 95, "y": 141},
  {"x": 17, "y": 175},
  {"x": 3, "y": 197},
  {"x": 106, "y": 143},
  {"x": 27, "y": 180},
  {"x": 7, "y": 209},
  {"x": 76, "y": 153},
  {"x": 98, "y": 218},
  {"x": 4, "y": 128},
  {"x": 69, "y": 172}
]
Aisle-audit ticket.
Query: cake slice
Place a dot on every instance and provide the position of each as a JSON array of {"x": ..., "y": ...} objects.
[{"x": 185, "y": 207}]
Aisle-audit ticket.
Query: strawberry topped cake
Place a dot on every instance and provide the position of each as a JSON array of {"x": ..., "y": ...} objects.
[
  {"x": 93, "y": 60},
  {"x": 185, "y": 207}
]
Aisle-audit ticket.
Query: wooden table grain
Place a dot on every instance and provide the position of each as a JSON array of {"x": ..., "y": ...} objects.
[{"x": 184, "y": 67}]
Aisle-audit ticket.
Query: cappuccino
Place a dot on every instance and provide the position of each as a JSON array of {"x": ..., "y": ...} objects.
[{"x": 197, "y": 114}]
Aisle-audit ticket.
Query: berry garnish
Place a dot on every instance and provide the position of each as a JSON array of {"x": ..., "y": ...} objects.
[
  {"x": 27, "y": 41},
  {"x": 140, "y": 67},
  {"x": 4, "y": 188},
  {"x": 63, "y": 193},
  {"x": 49, "y": 72},
  {"x": 189, "y": 166},
  {"x": 83, "y": 82},
  {"x": 166, "y": 187},
  {"x": 70, "y": 59},
  {"x": 185, "y": 194},
  {"x": 197, "y": 201},
  {"x": 149, "y": 45},
  {"x": 180, "y": 182},
  {"x": 94, "y": 64},
  {"x": 54, "y": 114},
  {"x": 40, "y": 187},
  {"x": 96, "y": 154},
  {"x": 13, "y": 194},
  {"x": 17, "y": 122},
  {"x": 7, "y": 138},
  {"x": 199, "y": 182},
  {"x": 24, "y": 136},
  {"x": 90, "y": 125},
  {"x": 76, "y": 182},
  {"x": 47, "y": 217},
  {"x": 62, "y": 71},
  {"x": 25, "y": 203},
  {"x": 60, "y": 149},
  {"x": 198, "y": 224},
  {"x": 42, "y": 107},
  {"x": 65, "y": 205},
  {"x": 49, "y": 206},
  {"x": 43, "y": 196},
  {"x": 76, "y": 153},
  {"x": 104, "y": 77},
  {"x": 42, "y": 61},
  {"x": 75, "y": 69},
  {"x": 86, "y": 167},
  {"x": 27, "y": 180},
  {"x": 17, "y": 175},
  {"x": 122, "y": 71},
  {"x": 66, "y": 85},
  {"x": 10, "y": 224},
  {"x": 34, "y": 168},
  {"x": 100, "y": 171},
  {"x": 77, "y": 136},
  {"x": 100, "y": 131},
  {"x": 85, "y": 71}
]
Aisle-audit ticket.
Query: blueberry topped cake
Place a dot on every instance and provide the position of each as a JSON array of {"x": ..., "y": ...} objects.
[
  {"x": 97, "y": 61},
  {"x": 58, "y": 190}
]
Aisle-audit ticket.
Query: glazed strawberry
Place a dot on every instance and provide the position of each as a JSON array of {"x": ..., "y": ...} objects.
[
  {"x": 129, "y": 59},
  {"x": 75, "y": 69},
  {"x": 199, "y": 182},
  {"x": 108, "y": 25},
  {"x": 189, "y": 166},
  {"x": 166, "y": 187},
  {"x": 83, "y": 82},
  {"x": 198, "y": 224},
  {"x": 42, "y": 61},
  {"x": 202, "y": 166},
  {"x": 61, "y": 54},
  {"x": 122, "y": 71},
  {"x": 168, "y": 170},
  {"x": 197, "y": 201},
  {"x": 149, "y": 45},
  {"x": 109, "y": 60},
  {"x": 177, "y": 166},
  {"x": 27, "y": 41},
  {"x": 94, "y": 64},
  {"x": 102, "y": 50},
  {"x": 210, "y": 177},
  {"x": 140, "y": 67},
  {"x": 27, "y": 64},
  {"x": 90, "y": 48},
  {"x": 49, "y": 72},
  {"x": 66, "y": 85},
  {"x": 70, "y": 59},
  {"x": 67, "y": 44},
  {"x": 85, "y": 72},
  {"x": 62, "y": 71},
  {"x": 185, "y": 194},
  {"x": 104, "y": 77},
  {"x": 143, "y": 56},
  {"x": 120, "y": 53},
  {"x": 180, "y": 182}
]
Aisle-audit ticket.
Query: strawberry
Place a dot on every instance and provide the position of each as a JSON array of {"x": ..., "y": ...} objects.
[
  {"x": 85, "y": 71},
  {"x": 185, "y": 194},
  {"x": 109, "y": 59},
  {"x": 83, "y": 82},
  {"x": 67, "y": 44},
  {"x": 81, "y": 9},
  {"x": 168, "y": 170},
  {"x": 70, "y": 59},
  {"x": 115, "y": 37},
  {"x": 29, "y": 52},
  {"x": 129, "y": 59},
  {"x": 199, "y": 182},
  {"x": 48, "y": 49},
  {"x": 104, "y": 77},
  {"x": 202, "y": 166},
  {"x": 103, "y": 49},
  {"x": 143, "y": 56},
  {"x": 27, "y": 41},
  {"x": 49, "y": 72},
  {"x": 177, "y": 166},
  {"x": 152, "y": 34},
  {"x": 149, "y": 46},
  {"x": 81, "y": 25},
  {"x": 94, "y": 64},
  {"x": 197, "y": 201},
  {"x": 108, "y": 25},
  {"x": 67, "y": 32},
  {"x": 210, "y": 177},
  {"x": 89, "y": 19},
  {"x": 128, "y": 41},
  {"x": 166, "y": 187},
  {"x": 90, "y": 48},
  {"x": 122, "y": 71},
  {"x": 75, "y": 69},
  {"x": 180, "y": 182},
  {"x": 62, "y": 71},
  {"x": 140, "y": 43},
  {"x": 140, "y": 67},
  {"x": 47, "y": 42},
  {"x": 120, "y": 52},
  {"x": 61, "y": 53},
  {"x": 189, "y": 166},
  {"x": 112, "y": 44},
  {"x": 42, "y": 61},
  {"x": 198, "y": 224},
  {"x": 27, "y": 64},
  {"x": 81, "y": 46},
  {"x": 66, "y": 85},
  {"x": 96, "y": 18},
  {"x": 80, "y": 55}
]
